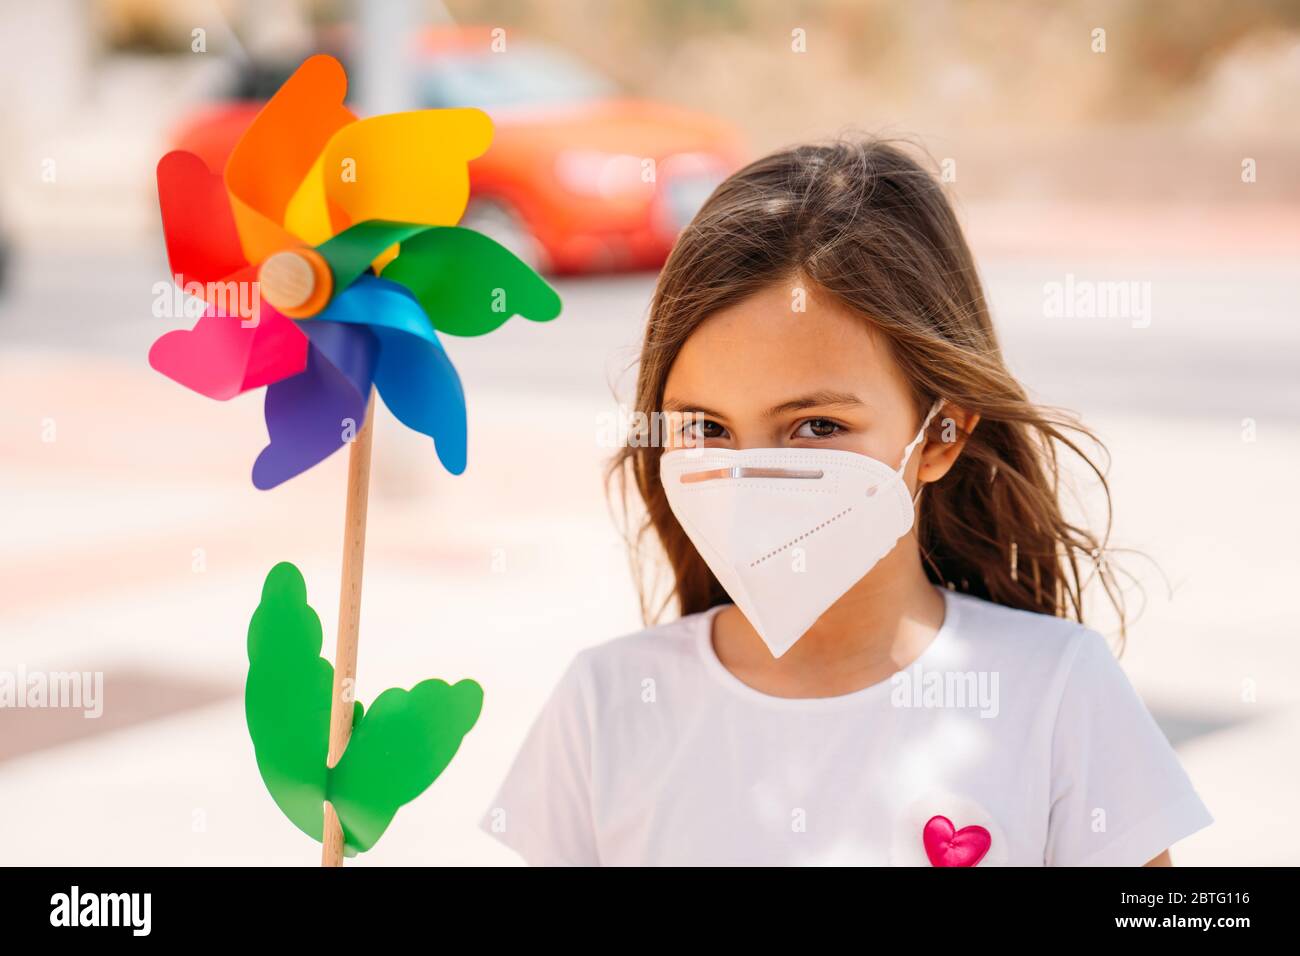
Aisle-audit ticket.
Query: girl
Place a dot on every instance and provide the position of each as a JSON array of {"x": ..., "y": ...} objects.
[{"x": 880, "y": 657}]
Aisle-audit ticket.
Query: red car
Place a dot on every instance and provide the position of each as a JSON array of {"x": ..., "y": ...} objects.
[{"x": 578, "y": 178}]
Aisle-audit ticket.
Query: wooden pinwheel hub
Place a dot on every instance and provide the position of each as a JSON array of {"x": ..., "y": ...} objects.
[{"x": 296, "y": 282}]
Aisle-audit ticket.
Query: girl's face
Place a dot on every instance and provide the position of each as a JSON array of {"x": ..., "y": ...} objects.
[{"x": 760, "y": 375}]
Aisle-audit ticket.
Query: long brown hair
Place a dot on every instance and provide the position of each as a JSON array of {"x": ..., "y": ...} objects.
[{"x": 865, "y": 222}]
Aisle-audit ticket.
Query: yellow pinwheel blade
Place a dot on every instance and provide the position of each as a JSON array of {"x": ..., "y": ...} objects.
[{"x": 409, "y": 167}]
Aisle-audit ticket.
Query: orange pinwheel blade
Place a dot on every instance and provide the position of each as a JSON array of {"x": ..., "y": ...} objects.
[{"x": 279, "y": 149}]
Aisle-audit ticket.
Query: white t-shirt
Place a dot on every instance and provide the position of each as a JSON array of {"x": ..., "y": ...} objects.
[{"x": 650, "y": 752}]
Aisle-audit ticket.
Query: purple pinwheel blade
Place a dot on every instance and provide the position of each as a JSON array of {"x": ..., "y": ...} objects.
[{"x": 312, "y": 415}]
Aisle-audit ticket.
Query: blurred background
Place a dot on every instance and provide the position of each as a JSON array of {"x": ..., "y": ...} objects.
[{"x": 1152, "y": 144}]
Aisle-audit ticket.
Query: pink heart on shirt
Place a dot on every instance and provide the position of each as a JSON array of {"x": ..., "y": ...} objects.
[{"x": 947, "y": 846}]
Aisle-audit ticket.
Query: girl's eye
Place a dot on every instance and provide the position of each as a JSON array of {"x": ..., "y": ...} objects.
[
  {"x": 817, "y": 428},
  {"x": 702, "y": 430}
]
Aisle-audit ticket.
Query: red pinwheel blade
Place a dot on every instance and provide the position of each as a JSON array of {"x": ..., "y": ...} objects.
[{"x": 202, "y": 244}]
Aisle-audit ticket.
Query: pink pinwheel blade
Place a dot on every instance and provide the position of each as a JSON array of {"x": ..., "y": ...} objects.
[{"x": 221, "y": 358}]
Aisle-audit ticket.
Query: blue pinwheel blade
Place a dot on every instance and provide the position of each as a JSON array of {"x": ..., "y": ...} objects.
[{"x": 413, "y": 373}]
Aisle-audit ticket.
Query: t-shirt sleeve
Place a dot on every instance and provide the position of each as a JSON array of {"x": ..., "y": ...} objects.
[
  {"x": 1120, "y": 796},
  {"x": 542, "y": 810}
]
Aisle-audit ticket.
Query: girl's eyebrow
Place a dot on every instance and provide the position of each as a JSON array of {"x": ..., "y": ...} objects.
[
  {"x": 677, "y": 405},
  {"x": 814, "y": 400},
  {"x": 820, "y": 399}
]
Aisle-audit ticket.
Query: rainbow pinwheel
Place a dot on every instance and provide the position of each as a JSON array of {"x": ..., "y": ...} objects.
[
  {"x": 328, "y": 255},
  {"x": 344, "y": 230}
]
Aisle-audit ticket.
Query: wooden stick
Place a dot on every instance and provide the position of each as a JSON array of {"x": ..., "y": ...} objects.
[{"x": 345, "y": 653}]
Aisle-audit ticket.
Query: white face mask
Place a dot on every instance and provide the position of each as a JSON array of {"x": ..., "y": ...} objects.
[{"x": 787, "y": 531}]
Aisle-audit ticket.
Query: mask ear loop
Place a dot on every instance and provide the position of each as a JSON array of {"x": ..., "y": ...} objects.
[{"x": 911, "y": 447}]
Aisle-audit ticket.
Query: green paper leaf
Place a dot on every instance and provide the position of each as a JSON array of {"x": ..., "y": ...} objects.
[
  {"x": 469, "y": 284},
  {"x": 287, "y": 698},
  {"x": 396, "y": 750},
  {"x": 405, "y": 742}
]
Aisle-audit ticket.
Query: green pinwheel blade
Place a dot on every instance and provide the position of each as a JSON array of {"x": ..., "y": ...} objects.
[
  {"x": 350, "y": 253},
  {"x": 469, "y": 284},
  {"x": 396, "y": 751}
]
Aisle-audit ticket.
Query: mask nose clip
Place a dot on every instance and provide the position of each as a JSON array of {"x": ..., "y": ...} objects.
[{"x": 743, "y": 471}]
